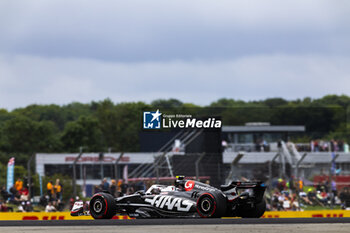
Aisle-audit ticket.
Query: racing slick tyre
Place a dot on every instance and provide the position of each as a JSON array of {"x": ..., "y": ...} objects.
[
  {"x": 102, "y": 206},
  {"x": 256, "y": 212},
  {"x": 211, "y": 205}
]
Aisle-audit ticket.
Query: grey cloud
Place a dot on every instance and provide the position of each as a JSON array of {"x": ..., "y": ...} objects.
[
  {"x": 197, "y": 51},
  {"x": 134, "y": 31},
  {"x": 64, "y": 80}
]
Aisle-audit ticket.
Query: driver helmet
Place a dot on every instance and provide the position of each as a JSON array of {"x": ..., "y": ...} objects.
[{"x": 180, "y": 182}]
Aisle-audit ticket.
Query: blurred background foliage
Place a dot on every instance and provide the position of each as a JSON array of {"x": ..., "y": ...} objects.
[{"x": 103, "y": 125}]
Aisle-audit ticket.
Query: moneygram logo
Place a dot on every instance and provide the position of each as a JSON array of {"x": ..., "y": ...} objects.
[
  {"x": 189, "y": 185},
  {"x": 157, "y": 120},
  {"x": 151, "y": 120}
]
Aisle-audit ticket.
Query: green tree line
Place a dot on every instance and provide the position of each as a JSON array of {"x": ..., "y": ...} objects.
[{"x": 98, "y": 126}]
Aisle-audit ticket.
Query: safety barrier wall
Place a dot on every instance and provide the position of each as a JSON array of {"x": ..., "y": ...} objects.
[
  {"x": 268, "y": 214},
  {"x": 46, "y": 216},
  {"x": 307, "y": 214}
]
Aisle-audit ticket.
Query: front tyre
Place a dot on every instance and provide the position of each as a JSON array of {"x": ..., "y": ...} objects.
[
  {"x": 102, "y": 206},
  {"x": 211, "y": 205}
]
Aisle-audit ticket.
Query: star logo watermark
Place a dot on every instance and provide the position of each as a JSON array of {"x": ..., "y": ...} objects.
[{"x": 152, "y": 120}]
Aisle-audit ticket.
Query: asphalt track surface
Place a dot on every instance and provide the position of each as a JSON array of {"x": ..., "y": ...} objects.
[{"x": 179, "y": 221}]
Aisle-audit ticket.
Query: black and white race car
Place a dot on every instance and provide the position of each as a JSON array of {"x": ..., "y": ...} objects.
[{"x": 187, "y": 198}]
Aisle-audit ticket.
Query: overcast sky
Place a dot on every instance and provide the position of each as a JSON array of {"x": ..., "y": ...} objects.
[{"x": 197, "y": 51}]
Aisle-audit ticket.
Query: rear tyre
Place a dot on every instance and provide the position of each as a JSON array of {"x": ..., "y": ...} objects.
[
  {"x": 102, "y": 206},
  {"x": 257, "y": 212},
  {"x": 211, "y": 205}
]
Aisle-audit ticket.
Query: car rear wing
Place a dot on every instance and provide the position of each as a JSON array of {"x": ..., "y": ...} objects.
[
  {"x": 258, "y": 188},
  {"x": 247, "y": 185}
]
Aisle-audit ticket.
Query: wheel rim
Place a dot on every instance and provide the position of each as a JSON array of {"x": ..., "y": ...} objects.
[
  {"x": 98, "y": 206},
  {"x": 206, "y": 205}
]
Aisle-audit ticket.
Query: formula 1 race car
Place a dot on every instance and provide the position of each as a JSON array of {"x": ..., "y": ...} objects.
[{"x": 187, "y": 198}]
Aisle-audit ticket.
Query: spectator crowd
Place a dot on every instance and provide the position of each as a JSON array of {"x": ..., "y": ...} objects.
[
  {"x": 320, "y": 145},
  {"x": 332, "y": 145},
  {"x": 53, "y": 198},
  {"x": 292, "y": 195},
  {"x": 285, "y": 194},
  {"x": 18, "y": 195},
  {"x": 122, "y": 187}
]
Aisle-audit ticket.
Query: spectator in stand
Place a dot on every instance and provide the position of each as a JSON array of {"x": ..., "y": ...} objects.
[
  {"x": 113, "y": 188},
  {"x": 140, "y": 186},
  {"x": 21, "y": 207},
  {"x": 50, "y": 208},
  {"x": 19, "y": 185},
  {"x": 334, "y": 146},
  {"x": 24, "y": 194},
  {"x": 97, "y": 188},
  {"x": 124, "y": 187},
  {"x": 346, "y": 147},
  {"x": 294, "y": 201},
  {"x": 148, "y": 184},
  {"x": 299, "y": 184},
  {"x": 119, "y": 189},
  {"x": 130, "y": 189},
  {"x": 340, "y": 145},
  {"x": 325, "y": 186},
  {"x": 316, "y": 146},
  {"x": 275, "y": 201},
  {"x": 325, "y": 146},
  {"x": 265, "y": 146},
  {"x": 322, "y": 196},
  {"x": 286, "y": 202},
  {"x": 25, "y": 206},
  {"x": 258, "y": 145},
  {"x": 15, "y": 195},
  {"x": 4, "y": 207},
  {"x": 4, "y": 194},
  {"x": 281, "y": 185},
  {"x": 334, "y": 187},
  {"x": 319, "y": 186},
  {"x": 291, "y": 184},
  {"x": 49, "y": 189},
  {"x": 281, "y": 199},
  {"x": 58, "y": 190},
  {"x": 105, "y": 184},
  {"x": 28, "y": 207},
  {"x": 311, "y": 195},
  {"x": 304, "y": 198},
  {"x": 224, "y": 145},
  {"x": 43, "y": 200}
]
